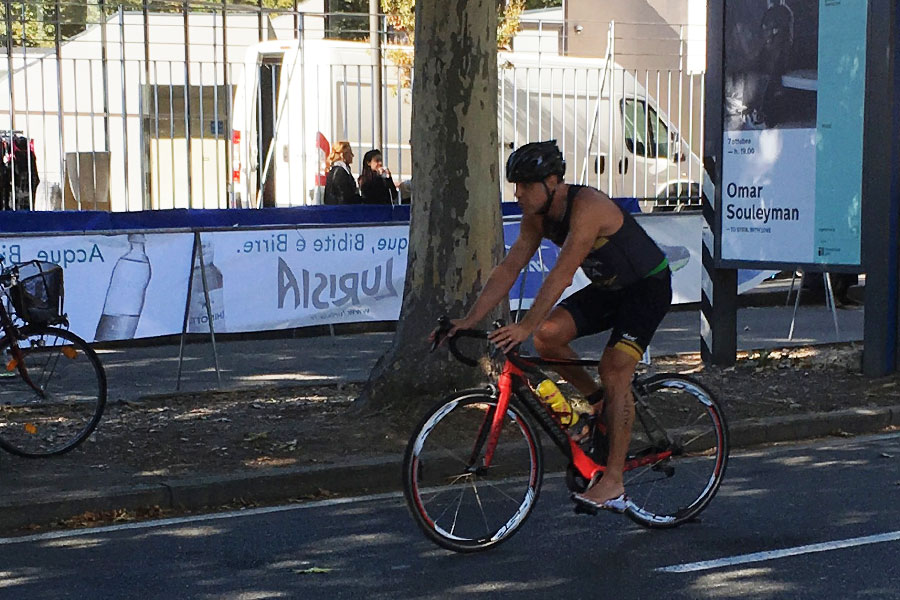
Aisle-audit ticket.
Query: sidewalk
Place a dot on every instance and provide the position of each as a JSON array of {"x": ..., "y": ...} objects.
[
  {"x": 138, "y": 371},
  {"x": 143, "y": 379}
]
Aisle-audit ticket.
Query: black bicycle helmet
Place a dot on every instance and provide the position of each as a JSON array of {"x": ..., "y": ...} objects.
[{"x": 534, "y": 162}]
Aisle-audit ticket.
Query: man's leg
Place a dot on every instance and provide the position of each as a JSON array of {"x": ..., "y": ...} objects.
[
  {"x": 551, "y": 340},
  {"x": 616, "y": 372}
]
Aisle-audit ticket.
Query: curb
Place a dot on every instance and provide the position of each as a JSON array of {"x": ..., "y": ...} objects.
[
  {"x": 753, "y": 432},
  {"x": 378, "y": 474}
]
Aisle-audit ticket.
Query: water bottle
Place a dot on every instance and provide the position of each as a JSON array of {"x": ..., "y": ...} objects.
[
  {"x": 198, "y": 319},
  {"x": 125, "y": 294},
  {"x": 551, "y": 395}
]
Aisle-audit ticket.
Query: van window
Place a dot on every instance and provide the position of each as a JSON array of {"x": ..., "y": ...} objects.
[{"x": 645, "y": 133}]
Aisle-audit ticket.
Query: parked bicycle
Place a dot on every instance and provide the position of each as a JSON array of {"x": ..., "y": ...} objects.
[
  {"x": 52, "y": 384},
  {"x": 473, "y": 469}
]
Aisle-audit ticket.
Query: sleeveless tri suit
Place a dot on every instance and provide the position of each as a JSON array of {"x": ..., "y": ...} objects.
[{"x": 630, "y": 290}]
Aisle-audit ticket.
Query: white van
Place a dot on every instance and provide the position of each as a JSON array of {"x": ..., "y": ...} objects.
[
  {"x": 614, "y": 134},
  {"x": 295, "y": 101}
]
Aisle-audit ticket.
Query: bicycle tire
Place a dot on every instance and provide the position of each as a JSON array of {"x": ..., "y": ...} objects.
[
  {"x": 669, "y": 492},
  {"x": 438, "y": 473},
  {"x": 67, "y": 400}
]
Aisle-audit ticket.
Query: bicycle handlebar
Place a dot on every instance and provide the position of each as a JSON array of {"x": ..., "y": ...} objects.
[
  {"x": 8, "y": 275},
  {"x": 444, "y": 326}
]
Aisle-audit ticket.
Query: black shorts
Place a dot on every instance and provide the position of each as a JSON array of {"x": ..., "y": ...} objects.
[{"x": 633, "y": 313}]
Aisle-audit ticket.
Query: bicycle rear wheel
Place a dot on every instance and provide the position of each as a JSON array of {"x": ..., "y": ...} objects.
[
  {"x": 459, "y": 504},
  {"x": 63, "y": 402},
  {"x": 679, "y": 419}
]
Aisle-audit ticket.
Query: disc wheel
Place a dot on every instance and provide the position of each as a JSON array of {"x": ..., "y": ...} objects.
[
  {"x": 458, "y": 503},
  {"x": 52, "y": 392},
  {"x": 678, "y": 418}
]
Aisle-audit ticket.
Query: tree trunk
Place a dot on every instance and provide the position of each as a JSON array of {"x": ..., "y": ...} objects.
[{"x": 456, "y": 234}]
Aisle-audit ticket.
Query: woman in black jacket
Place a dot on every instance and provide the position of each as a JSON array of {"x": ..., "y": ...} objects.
[
  {"x": 375, "y": 183},
  {"x": 340, "y": 187}
]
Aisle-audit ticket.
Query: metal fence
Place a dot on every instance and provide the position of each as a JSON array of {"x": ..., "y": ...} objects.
[{"x": 215, "y": 107}]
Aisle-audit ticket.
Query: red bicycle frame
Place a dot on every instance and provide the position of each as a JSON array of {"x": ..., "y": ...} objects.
[
  {"x": 510, "y": 374},
  {"x": 512, "y": 380}
]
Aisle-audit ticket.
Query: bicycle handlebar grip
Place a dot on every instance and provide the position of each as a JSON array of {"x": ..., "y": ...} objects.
[
  {"x": 443, "y": 327},
  {"x": 6, "y": 274}
]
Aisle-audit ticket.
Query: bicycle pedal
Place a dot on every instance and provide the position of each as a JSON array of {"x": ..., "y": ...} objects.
[{"x": 581, "y": 509}]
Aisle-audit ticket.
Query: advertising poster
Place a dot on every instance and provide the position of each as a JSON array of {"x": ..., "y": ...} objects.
[
  {"x": 794, "y": 74},
  {"x": 116, "y": 286},
  {"x": 278, "y": 279}
]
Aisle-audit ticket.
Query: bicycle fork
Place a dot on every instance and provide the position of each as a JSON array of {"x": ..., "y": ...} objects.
[
  {"x": 17, "y": 355},
  {"x": 489, "y": 432},
  {"x": 18, "y": 363},
  {"x": 493, "y": 422}
]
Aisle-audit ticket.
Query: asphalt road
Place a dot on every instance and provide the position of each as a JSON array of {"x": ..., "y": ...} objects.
[{"x": 824, "y": 515}]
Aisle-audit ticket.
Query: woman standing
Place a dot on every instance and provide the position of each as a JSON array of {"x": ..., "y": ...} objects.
[
  {"x": 340, "y": 187},
  {"x": 375, "y": 182}
]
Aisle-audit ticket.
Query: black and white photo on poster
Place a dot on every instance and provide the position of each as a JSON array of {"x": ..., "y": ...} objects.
[{"x": 770, "y": 67}]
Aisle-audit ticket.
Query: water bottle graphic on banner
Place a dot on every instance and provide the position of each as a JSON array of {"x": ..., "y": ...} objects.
[
  {"x": 215, "y": 283},
  {"x": 125, "y": 295}
]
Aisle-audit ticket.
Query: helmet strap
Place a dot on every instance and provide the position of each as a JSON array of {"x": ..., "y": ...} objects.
[{"x": 546, "y": 207}]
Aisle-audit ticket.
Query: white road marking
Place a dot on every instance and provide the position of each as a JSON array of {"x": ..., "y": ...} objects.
[
  {"x": 249, "y": 512},
  {"x": 773, "y": 554}
]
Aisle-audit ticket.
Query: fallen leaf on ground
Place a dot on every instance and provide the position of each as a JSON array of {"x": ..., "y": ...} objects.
[
  {"x": 312, "y": 570},
  {"x": 289, "y": 445}
]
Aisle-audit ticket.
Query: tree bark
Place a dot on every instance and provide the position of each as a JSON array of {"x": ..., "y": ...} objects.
[{"x": 456, "y": 234}]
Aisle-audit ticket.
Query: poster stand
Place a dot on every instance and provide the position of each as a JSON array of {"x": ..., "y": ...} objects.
[
  {"x": 197, "y": 253},
  {"x": 829, "y": 302}
]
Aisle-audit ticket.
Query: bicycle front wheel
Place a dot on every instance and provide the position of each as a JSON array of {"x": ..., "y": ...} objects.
[
  {"x": 460, "y": 504},
  {"x": 52, "y": 394},
  {"x": 678, "y": 452}
]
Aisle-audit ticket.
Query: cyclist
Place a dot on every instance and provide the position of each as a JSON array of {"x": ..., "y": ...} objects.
[{"x": 630, "y": 293}]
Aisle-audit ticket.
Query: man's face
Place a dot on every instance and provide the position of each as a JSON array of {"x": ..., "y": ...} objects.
[{"x": 532, "y": 196}]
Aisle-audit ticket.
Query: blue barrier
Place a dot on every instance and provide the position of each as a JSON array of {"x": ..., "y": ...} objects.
[
  {"x": 72, "y": 221},
  {"x": 182, "y": 218}
]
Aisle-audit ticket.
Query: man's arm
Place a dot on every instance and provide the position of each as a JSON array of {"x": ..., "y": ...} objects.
[
  {"x": 592, "y": 215},
  {"x": 504, "y": 275}
]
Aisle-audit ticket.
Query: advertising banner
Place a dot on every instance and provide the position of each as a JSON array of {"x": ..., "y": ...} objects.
[
  {"x": 116, "y": 286},
  {"x": 277, "y": 279},
  {"x": 677, "y": 235},
  {"x": 136, "y": 285},
  {"x": 794, "y": 85}
]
